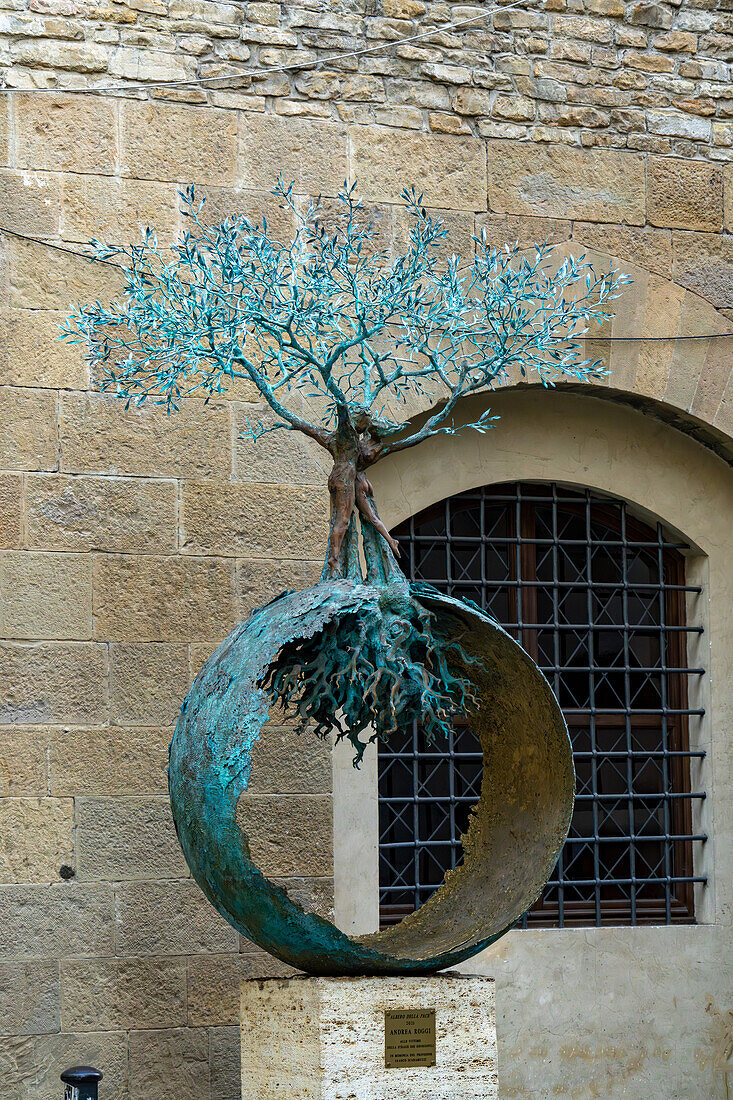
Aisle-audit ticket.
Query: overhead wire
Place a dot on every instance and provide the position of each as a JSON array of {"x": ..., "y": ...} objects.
[{"x": 303, "y": 66}]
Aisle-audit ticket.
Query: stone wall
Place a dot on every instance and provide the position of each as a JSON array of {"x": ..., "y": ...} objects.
[
  {"x": 131, "y": 543},
  {"x": 633, "y": 74}
]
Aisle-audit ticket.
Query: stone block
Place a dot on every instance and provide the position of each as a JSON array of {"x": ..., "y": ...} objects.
[
  {"x": 101, "y": 513},
  {"x": 117, "y": 994},
  {"x": 5, "y": 148},
  {"x": 45, "y": 596},
  {"x": 450, "y": 171},
  {"x": 161, "y": 141},
  {"x": 121, "y": 839},
  {"x": 29, "y": 203},
  {"x": 313, "y": 893},
  {"x": 30, "y": 433},
  {"x": 66, "y": 133},
  {"x": 31, "y": 353},
  {"x": 225, "y": 1063},
  {"x": 459, "y": 223},
  {"x": 288, "y": 458},
  {"x": 560, "y": 182},
  {"x": 214, "y": 981},
  {"x": 714, "y": 377},
  {"x": 117, "y": 210},
  {"x": 288, "y": 836},
  {"x": 53, "y": 682},
  {"x": 336, "y": 1038},
  {"x": 169, "y": 918},
  {"x": 309, "y": 152},
  {"x": 647, "y": 247},
  {"x": 29, "y": 998},
  {"x": 684, "y": 194},
  {"x": 169, "y": 1065},
  {"x": 11, "y": 504},
  {"x": 253, "y": 520},
  {"x": 504, "y": 229},
  {"x": 258, "y": 580},
  {"x": 148, "y": 682},
  {"x": 285, "y": 762},
  {"x": 36, "y": 838},
  {"x": 159, "y": 599},
  {"x": 99, "y": 436},
  {"x": 23, "y": 764},
  {"x": 64, "y": 920},
  {"x": 232, "y": 202},
  {"x": 44, "y": 278},
  {"x": 703, "y": 262},
  {"x": 32, "y": 1064},
  {"x": 728, "y": 196},
  {"x": 114, "y": 761}
]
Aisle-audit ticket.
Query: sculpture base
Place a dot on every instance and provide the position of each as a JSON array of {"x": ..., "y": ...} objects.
[{"x": 385, "y": 1038}]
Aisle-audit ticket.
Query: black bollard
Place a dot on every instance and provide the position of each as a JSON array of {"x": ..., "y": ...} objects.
[{"x": 82, "y": 1083}]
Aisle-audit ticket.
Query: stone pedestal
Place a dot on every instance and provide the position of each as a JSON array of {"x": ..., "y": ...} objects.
[{"x": 360, "y": 1038}]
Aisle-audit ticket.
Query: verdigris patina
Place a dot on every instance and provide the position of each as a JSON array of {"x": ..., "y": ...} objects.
[{"x": 328, "y": 322}]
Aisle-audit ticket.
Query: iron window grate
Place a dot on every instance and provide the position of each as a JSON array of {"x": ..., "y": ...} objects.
[{"x": 598, "y": 599}]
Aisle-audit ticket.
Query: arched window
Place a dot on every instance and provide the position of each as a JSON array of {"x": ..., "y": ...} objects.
[{"x": 598, "y": 600}]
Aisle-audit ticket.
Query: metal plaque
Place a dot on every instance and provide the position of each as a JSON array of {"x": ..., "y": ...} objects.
[{"x": 409, "y": 1038}]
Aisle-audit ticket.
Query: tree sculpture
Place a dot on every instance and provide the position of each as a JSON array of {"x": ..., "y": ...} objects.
[{"x": 335, "y": 335}]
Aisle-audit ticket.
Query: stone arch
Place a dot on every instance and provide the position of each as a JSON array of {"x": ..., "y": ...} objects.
[{"x": 684, "y": 382}]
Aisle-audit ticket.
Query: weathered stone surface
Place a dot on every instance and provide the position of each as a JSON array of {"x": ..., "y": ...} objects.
[
  {"x": 728, "y": 196},
  {"x": 98, "y": 436},
  {"x": 120, "y": 839},
  {"x": 45, "y": 596},
  {"x": 29, "y": 203},
  {"x": 258, "y": 580},
  {"x": 117, "y": 210},
  {"x": 260, "y": 520},
  {"x": 23, "y": 763},
  {"x": 649, "y": 248},
  {"x": 309, "y": 152},
  {"x": 101, "y": 513},
  {"x": 703, "y": 262},
  {"x": 169, "y": 918},
  {"x": 29, "y": 438},
  {"x": 452, "y": 169},
  {"x": 113, "y": 760},
  {"x": 66, "y": 133},
  {"x": 214, "y": 981},
  {"x": 288, "y": 836},
  {"x": 148, "y": 682},
  {"x": 459, "y": 223},
  {"x": 29, "y": 999},
  {"x": 53, "y": 682},
  {"x": 503, "y": 228},
  {"x": 32, "y": 355},
  {"x": 566, "y": 183},
  {"x": 36, "y": 838},
  {"x": 32, "y": 1064},
  {"x": 335, "y": 1030},
  {"x": 287, "y": 457},
  {"x": 166, "y": 142},
  {"x": 283, "y": 764},
  {"x": 65, "y": 920},
  {"x": 11, "y": 503},
  {"x": 230, "y": 202},
  {"x": 225, "y": 1063},
  {"x": 116, "y": 994},
  {"x": 312, "y": 893},
  {"x": 38, "y": 283},
  {"x": 169, "y": 1065},
  {"x": 156, "y": 599},
  {"x": 684, "y": 195}
]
